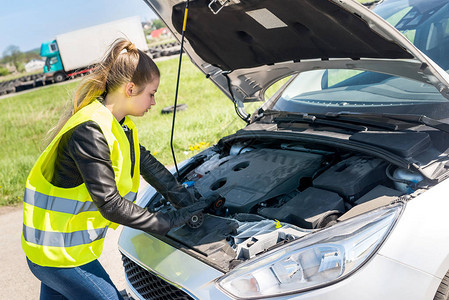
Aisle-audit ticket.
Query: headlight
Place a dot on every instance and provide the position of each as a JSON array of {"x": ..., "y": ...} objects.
[{"x": 314, "y": 261}]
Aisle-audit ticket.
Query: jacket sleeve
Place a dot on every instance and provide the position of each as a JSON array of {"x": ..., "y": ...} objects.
[
  {"x": 89, "y": 149},
  {"x": 163, "y": 181}
]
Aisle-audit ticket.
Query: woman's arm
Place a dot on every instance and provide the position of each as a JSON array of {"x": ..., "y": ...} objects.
[
  {"x": 88, "y": 148},
  {"x": 162, "y": 180}
]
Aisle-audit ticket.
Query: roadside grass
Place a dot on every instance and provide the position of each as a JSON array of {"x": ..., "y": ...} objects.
[{"x": 26, "y": 118}]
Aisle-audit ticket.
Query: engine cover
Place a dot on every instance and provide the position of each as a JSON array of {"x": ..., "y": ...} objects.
[{"x": 252, "y": 177}]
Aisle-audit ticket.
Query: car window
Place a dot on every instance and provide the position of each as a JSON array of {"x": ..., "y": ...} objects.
[
  {"x": 275, "y": 87},
  {"x": 428, "y": 29},
  {"x": 365, "y": 89},
  {"x": 53, "y": 60},
  {"x": 426, "y": 26},
  {"x": 337, "y": 76},
  {"x": 399, "y": 16}
]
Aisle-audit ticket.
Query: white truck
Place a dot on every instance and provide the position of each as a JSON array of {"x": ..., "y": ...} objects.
[{"x": 76, "y": 52}]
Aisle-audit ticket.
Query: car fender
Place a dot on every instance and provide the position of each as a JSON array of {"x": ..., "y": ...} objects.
[{"x": 421, "y": 237}]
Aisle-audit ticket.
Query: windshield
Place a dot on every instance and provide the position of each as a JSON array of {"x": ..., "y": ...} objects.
[{"x": 423, "y": 22}]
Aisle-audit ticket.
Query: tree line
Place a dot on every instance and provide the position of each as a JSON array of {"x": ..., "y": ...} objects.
[{"x": 14, "y": 57}]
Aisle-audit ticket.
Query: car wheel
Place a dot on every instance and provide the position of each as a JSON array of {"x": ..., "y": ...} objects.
[
  {"x": 443, "y": 289},
  {"x": 169, "y": 109},
  {"x": 59, "y": 77}
]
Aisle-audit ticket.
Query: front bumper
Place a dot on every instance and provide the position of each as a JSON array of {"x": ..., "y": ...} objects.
[
  {"x": 146, "y": 285},
  {"x": 189, "y": 278},
  {"x": 178, "y": 268}
]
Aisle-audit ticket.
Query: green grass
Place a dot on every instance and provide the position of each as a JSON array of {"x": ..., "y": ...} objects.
[
  {"x": 210, "y": 115},
  {"x": 26, "y": 119}
]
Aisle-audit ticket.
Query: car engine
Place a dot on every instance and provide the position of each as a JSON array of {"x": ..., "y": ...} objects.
[{"x": 278, "y": 193}]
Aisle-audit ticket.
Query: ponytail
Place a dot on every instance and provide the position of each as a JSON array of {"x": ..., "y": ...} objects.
[
  {"x": 95, "y": 84},
  {"x": 122, "y": 63}
]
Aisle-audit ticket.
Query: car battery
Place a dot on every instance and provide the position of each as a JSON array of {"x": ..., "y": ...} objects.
[{"x": 311, "y": 209}]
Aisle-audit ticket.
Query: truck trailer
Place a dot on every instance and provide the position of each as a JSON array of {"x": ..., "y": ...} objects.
[{"x": 77, "y": 52}]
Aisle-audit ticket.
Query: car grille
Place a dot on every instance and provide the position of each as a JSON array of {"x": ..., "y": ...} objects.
[{"x": 150, "y": 286}]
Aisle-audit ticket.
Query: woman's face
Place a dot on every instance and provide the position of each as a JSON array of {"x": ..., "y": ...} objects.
[{"x": 139, "y": 104}]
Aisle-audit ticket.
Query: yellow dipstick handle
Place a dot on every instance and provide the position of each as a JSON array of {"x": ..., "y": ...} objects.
[
  {"x": 278, "y": 224},
  {"x": 185, "y": 20}
]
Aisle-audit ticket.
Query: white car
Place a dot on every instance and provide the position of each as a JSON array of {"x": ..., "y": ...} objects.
[{"x": 336, "y": 188}]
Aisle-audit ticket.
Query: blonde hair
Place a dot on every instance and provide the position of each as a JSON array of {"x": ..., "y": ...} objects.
[{"x": 122, "y": 63}]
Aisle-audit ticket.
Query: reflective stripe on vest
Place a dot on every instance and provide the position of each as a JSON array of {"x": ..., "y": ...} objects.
[
  {"x": 63, "y": 227},
  {"x": 63, "y": 239},
  {"x": 58, "y": 204}
]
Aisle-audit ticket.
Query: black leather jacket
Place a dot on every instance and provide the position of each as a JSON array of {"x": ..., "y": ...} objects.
[{"x": 83, "y": 156}]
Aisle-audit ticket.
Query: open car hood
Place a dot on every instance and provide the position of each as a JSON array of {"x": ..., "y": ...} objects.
[{"x": 250, "y": 44}]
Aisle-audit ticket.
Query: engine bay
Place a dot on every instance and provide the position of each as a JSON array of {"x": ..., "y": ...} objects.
[{"x": 276, "y": 193}]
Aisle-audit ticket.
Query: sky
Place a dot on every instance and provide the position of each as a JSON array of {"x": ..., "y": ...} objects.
[{"x": 28, "y": 23}]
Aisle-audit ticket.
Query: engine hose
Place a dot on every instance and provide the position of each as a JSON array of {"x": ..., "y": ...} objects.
[{"x": 388, "y": 173}]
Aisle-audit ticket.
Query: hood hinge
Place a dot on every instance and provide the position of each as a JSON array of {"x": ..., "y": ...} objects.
[{"x": 219, "y": 4}]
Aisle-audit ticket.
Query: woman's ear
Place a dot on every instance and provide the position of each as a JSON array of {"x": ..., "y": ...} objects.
[{"x": 129, "y": 88}]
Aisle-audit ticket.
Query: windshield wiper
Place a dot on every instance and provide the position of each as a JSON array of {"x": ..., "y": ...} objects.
[
  {"x": 314, "y": 120},
  {"x": 335, "y": 120},
  {"x": 347, "y": 119},
  {"x": 372, "y": 123},
  {"x": 407, "y": 118}
]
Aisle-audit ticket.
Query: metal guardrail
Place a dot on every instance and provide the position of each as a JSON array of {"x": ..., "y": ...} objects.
[
  {"x": 164, "y": 50},
  {"x": 22, "y": 83}
]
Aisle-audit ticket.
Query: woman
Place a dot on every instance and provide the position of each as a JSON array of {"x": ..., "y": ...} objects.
[{"x": 87, "y": 177}]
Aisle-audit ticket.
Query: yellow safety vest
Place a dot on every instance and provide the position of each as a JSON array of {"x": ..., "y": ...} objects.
[{"x": 62, "y": 227}]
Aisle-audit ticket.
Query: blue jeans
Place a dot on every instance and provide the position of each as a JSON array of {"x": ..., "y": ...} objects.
[{"x": 89, "y": 281}]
